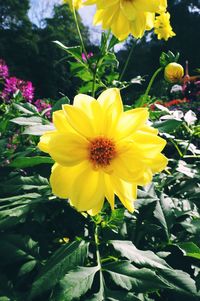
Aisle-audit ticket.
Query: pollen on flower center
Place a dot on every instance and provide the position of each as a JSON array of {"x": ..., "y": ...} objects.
[{"x": 101, "y": 151}]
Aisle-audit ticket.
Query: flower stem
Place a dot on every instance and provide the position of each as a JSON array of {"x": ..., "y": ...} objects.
[
  {"x": 98, "y": 257},
  {"x": 152, "y": 81},
  {"x": 79, "y": 32},
  {"x": 98, "y": 63},
  {"x": 127, "y": 61}
]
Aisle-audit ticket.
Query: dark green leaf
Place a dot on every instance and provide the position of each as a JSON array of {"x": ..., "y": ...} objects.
[
  {"x": 23, "y": 162},
  {"x": 62, "y": 261},
  {"x": 75, "y": 284}
]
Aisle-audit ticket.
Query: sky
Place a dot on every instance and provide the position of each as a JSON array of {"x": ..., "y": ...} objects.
[{"x": 43, "y": 8}]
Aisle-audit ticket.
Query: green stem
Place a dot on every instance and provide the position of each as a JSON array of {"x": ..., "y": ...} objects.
[
  {"x": 79, "y": 32},
  {"x": 97, "y": 65},
  {"x": 177, "y": 148},
  {"x": 127, "y": 61},
  {"x": 98, "y": 257},
  {"x": 152, "y": 81}
]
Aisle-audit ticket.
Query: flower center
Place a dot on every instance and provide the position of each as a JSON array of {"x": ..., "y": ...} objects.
[{"x": 101, "y": 151}]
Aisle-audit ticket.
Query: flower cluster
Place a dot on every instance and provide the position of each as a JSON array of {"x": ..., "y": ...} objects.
[
  {"x": 134, "y": 17},
  {"x": 162, "y": 27},
  {"x": 41, "y": 105},
  {"x": 4, "y": 73},
  {"x": 13, "y": 84},
  {"x": 101, "y": 151}
]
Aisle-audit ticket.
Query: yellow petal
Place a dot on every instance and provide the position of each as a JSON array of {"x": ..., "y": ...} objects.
[
  {"x": 127, "y": 192},
  {"x": 120, "y": 25},
  {"x": 92, "y": 109},
  {"x": 149, "y": 144},
  {"x": 109, "y": 192},
  {"x": 112, "y": 108},
  {"x": 88, "y": 189},
  {"x": 159, "y": 163},
  {"x": 62, "y": 178},
  {"x": 68, "y": 149},
  {"x": 95, "y": 210},
  {"x": 130, "y": 121},
  {"x": 79, "y": 120},
  {"x": 61, "y": 123},
  {"x": 44, "y": 141}
]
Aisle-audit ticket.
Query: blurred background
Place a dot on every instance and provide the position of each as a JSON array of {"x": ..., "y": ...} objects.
[{"x": 27, "y": 29}]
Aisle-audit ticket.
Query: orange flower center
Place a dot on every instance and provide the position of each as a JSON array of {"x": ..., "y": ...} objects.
[{"x": 101, "y": 151}]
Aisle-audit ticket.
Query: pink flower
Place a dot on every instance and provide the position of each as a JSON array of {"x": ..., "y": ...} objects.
[
  {"x": 4, "y": 73},
  {"x": 89, "y": 55},
  {"x": 41, "y": 105},
  {"x": 13, "y": 84}
]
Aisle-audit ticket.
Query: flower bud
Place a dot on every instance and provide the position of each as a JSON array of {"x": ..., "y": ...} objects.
[{"x": 173, "y": 72}]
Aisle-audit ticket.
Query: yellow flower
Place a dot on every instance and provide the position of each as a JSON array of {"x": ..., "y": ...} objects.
[
  {"x": 76, "y": 3},
  {"x": 101, "y": 151},
  {"x": 126, "y": 17},
  {"x": 162, "y": 26},
  {"x": 173, "y": 72}
]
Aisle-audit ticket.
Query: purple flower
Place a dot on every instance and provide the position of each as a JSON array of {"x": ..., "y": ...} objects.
[
  {"x": 13, "y": 84},
  {"x": 4, "y": 73},
  {"x": 89, "y": 55},
  {"x": 41, "y": 105}
]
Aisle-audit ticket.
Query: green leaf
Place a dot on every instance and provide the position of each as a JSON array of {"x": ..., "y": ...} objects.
[
  {"x": 19, "y": 183},
  {"x": 139, "y": 257},
  {"x": 75, "y": 51},
  {"x": 58, "y": 105},
  {"x": 131, "y": 278},
  {"x": 62, "y": 261},
  {"x": 179, "y": 281},
  {"x": 190, "y": 249},
  {"x": 27, "y": 108},
  {"x": 38, "y": 130},
  {"x": 27, "y": 120},
  {"x": 167, "y": 126},
  {"x": 27, "y": 267},
  {"x": 23, "y": 162},
  {"x": 164, "y": 213},
  {"x": 75, "y": 284}
]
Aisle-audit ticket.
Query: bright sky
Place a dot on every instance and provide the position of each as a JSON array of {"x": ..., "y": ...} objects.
[{"x": 43, "y": 8}]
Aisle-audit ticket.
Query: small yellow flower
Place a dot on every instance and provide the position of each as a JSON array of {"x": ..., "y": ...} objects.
[
  {"x": 173, "y": 72},
  {"x": 102, "y": 151},
  {"x": 126, "y": 17},
  {"x": 162, "y": 27},
  {"x": 74, "y": 3}
]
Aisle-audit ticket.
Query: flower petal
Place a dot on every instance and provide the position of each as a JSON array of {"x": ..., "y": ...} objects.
[
  {"x": 79, "y": 120},
  {"x": 95, "y": 210},
  {"x": 130, "y": 121},
  {"x": 62, "y": 178},
  {"x": 44, "y": 141},
  {"x": 61, "y": 123},
  {"x": 112, "y": 108},
  {"x": 149, "y": 144},
  {"x": 127, "y": 192},
  {"x": 88, "y": 189},
  {"x": 92, "y": 108},
  {"x": 68, "y": 149}
]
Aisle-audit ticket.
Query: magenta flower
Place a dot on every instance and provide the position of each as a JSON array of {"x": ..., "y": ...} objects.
[
  {"x": 89, "y": 55},
  {"x": 4, "y": 73},
  {"x": 41, "y": 105},
  {"x": 13, "y": 84}
]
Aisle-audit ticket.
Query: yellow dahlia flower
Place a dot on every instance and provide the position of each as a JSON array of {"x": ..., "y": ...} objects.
[
  {"x": 173, "y": 72},
  {"x": 74, "y": 3},
  {"x": 162, "y": 27},
  {"x": 101, "y": 151},
  {"x": 126, "y": 17}
]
